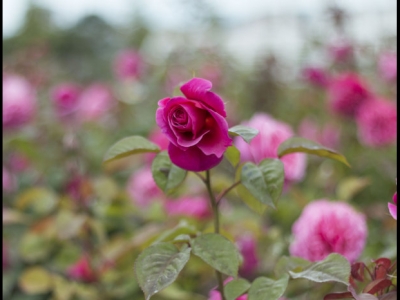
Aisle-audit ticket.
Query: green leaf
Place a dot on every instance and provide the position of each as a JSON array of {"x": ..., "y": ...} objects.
[
  {"x": 218, "y": 252},
  {"x": 247, "y": 133},
  {"x": 183, "y": 228},
  {"x": 158, "y": 266},
  {"x": 247, "y": 197},
  {"x": 38, "y": 200},
  {"x": 166, "y": 175},
  {"x": 334, "y": 267},
  {"x": 232, "y": 154},
  {"x": 292, "y": 263},
  {"x": 35, "y": 280},
  {"x": 129, "y": 146},
  {"x": 264, "y": 288},
  {"x": 298, "y": 144},
  {"x": 274, "y": 176},
  {"x": 235, "y": 288}
]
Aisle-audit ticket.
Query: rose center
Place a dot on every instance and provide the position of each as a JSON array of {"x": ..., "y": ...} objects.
[{"x": 180, "y": 118}]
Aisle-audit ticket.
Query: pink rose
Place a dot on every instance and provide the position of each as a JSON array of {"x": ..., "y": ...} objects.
[
  {"x": 248, "y": 248},
  {"x": 315, "y": 76},
  {"x": 327, "y": 136},
  {"x": 387, "y": 66},
  {"x": 265, "y": 145},
  {"x": 326, "y": 227},
  {"x": 142, "y": 188},
  {"x": 393, "y": 207},
  {"x": 82, "y": 271},
  {"x": 377, "y": 123},
  {"x": 95, "y": 102},
  {"x": 19, "y": 101},
  {"x": 195, "y": 126},
  {"x": 128, "y": 64},
  {"x": 65, "y": 98},
  {"x": 340, "y": 51},
  {"x": 195, "y": 207},
  {"x": 346, "y": 93}
]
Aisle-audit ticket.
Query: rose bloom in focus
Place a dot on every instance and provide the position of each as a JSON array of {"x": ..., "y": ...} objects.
[
  {"x": 326, "y": 227},
  {"x": 393, "y": 207},
  {"x": 195, "y": 126},
  {"x": 95, "y": 102},
  {"x": 387, "y": 66},
  {"x": 265, "y": 145},
  {"x": 346, "y": 93},
  {"x": 82, "y": 271},
  {"x": 19, "y": 101},
  {"x": 377, "y": 123},
  {"x": 128, "y": 64},
  {"x": 195, "y": 207},
  {"x": 65, "y": 98},
  {"x": 142, "y": 188}
]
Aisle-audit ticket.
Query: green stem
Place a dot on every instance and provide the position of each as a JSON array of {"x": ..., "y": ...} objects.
[{"x": 214, "y": 206}]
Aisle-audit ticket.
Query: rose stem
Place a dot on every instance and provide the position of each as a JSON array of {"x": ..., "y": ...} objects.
[{"x": 214, "y": 206}]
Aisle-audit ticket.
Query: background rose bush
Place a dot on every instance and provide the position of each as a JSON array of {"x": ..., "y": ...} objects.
[{"x": 65, "y": 214}]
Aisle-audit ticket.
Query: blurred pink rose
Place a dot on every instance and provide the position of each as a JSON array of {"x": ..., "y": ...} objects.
[
  {"x": 341, "y": 51},
  {"x": 95, "y": 102},
  {"x": 142, "y": 188},
  {"x": 128, "y": 64},
  {"x": 377, "y": 123},
  {"x": 327, "y": 136},
  {"x": 346, "y": 93},
  {"x": 18, "y": 162},
  {"x": 158, "y": 138},
  {"x": 19, "y": 101},
  {"x": 265, "y": 145},
  {"x": 212, "y": 73},
  {"x": 65, "y": 98},
  {"x": 393, "y": 207},
  {"x": 195, "y": 207},
  {"x": 9, "y": 181},
  {"x": 387, "y": 66},
  {"x": 195, "y": 126},
  {"x": 82, "y": 271},
  {"x": 248, "y": 248},
  {"x": 315, "y": 76},
  {"x": 326, "y": 227}
]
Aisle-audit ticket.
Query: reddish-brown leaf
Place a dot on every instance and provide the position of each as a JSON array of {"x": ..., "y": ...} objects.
[
  {"x": 343, "y": 295},
  {"x": 357, "y": 271},
  {"x": 377, "y": 285}
]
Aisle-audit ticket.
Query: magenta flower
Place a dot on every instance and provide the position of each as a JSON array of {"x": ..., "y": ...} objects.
[
  {"x": 326, "y": 227},
  {"x": 377, "y": 123},
  {"x": 9, "y": 181},
  {"x": 82, "y": 271},
  {"x": 393, "y": 207},
  {"x": 195, "y": 126},
  {"x": 65, "y": 98},
  {"x": 346, "y": 93},
  {"x": 340, "y": 51},
  {"x": 141, "y": 187},
  {"x": 19, "y": 101},
  {"x": 315, "y": 76},
  {"x": 387, "y": 66},
  {"x": 95, "y": 102},
  {"x": 195, "y": 207},
  {"x": 248, "y": 248},
  {"x": 265, "y": 145},
  {"x": 128, "y": 64}
]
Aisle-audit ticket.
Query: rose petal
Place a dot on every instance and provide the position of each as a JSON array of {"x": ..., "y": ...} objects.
[
  {"x": 162, "y": 123},
  {"x": 199, "y": 89},
  {"x": 193, "y": 159},
  {"x": 393, "y": 210}
]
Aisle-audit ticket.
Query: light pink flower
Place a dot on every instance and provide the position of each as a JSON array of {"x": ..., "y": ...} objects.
[
  {"x": 19, "y": 101},
  {"x": 248, "y": 248},
  {"x": 95, "y": 102},
  {"x": 377, "y": 123},
  {"x": 195, "y": 207},
  {"x": 142, "y": 188},
  {"x": 65, "y": 98},
  {"x": 326, "y": 227},
  {"x": 315, "y": 76},
  {"x": 265, "y": 145},
  {"x": 9, "y": 182},
  {"x": 327, "y": 136},
  {"x": 212, "y": 73},
  {"x": 340, "y": 51},
  {"x": 346, "y": 93},
  {"x": 128, "y": 64},
  {"x": 387, "y": 66},
  {"x": 82, "y": 271},
  {"x": 393, "y": 207},
  {"x": 195, "y": 126}
]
